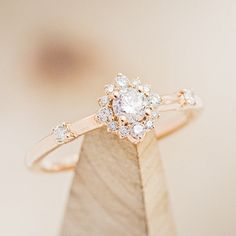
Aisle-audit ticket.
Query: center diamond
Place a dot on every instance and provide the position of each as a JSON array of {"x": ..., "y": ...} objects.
[{"x": 131, "y": 104}]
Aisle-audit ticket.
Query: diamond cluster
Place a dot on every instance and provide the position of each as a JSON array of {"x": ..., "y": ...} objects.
[{"x": 129, "y": 108}]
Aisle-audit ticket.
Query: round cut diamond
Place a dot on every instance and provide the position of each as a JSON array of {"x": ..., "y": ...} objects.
[
  {"x": 131, "y": 104},
  {"x": 124, "y": 131},
  {"x": 112, "y": 126},
  {"x": 104, "y": 114},
  {"x": 189, "y": 97},
  {"x": 61, "y": 133},
  {"x": 109, "y": 88},
  {"x": 138, "y": 130},
  {"x": 146, "y": 88},
  {"x": 155, "y": 99},
  {"x": 149, "y": 124},
  {"x": 103, "y": 101},
  {"x": 122, "y": 80},
  {"x": 155, "y": 114}
]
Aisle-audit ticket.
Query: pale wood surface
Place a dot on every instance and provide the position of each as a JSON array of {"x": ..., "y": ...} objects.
[{"x": 118, "y": 189}]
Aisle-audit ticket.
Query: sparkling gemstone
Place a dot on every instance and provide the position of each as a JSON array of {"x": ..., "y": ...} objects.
[
  {"x": 129, "y": 108},
  {"x": 155, "y": 99},
  {"x": 109, "y": 88},
  {"x": 104, "y": 114},
  {"x": 155, "y": 114},
  {"x": 149, "y": 124},
  {"x": 189, "y": 97},
  {"x": 138, "y": 130},
  {"x": 103, "y": 101},
  {"x": 130, "y": 104},
  {"x": 124, "y": 131},
  {"x": 61, "y": 133},
  {"x": 146, "y": 88},
  {"x": 112, "y": 126},
  {"x": 122, "y": 80}
]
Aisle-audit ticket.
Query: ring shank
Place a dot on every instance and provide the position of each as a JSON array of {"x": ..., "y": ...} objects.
[{"x": 36, "y": 158}]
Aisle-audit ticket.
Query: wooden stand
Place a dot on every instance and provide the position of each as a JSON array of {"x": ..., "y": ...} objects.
[{"x": 118, "y": 189}]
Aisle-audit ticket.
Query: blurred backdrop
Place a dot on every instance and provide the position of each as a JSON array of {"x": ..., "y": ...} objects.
[{"x": 55, "y": 58}]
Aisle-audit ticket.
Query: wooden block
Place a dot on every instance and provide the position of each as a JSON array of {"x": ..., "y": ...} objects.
[{"x": 118, "y": 189}]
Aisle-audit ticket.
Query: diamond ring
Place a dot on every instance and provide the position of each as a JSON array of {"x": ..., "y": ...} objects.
[{"x": 128, "y": 109}]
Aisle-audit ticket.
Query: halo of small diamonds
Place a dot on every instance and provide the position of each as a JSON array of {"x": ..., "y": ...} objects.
[{"x": 129, "y": 108}]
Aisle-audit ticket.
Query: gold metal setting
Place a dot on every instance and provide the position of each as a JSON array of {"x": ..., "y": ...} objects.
[{"x": 130, "y": 121}]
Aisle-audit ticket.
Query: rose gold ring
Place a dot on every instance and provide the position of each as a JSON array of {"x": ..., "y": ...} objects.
[{"x": 129, "y": 109}]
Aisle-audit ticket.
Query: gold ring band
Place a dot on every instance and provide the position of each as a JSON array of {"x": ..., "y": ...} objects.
[{"x": 184, "y": 103}]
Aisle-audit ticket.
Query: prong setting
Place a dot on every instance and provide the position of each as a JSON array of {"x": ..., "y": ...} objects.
[
  {"x": 186, "y": 97},
  {"x": 63, "y": 133}
]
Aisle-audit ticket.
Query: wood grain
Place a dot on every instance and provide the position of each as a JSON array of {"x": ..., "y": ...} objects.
[{"x": 118, "y": 189}]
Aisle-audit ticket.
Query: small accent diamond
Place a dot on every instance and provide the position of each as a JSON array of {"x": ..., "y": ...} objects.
[
  {"x": 155, "y": 114},
  {"x": 189, "y": 97},
  {"x": 138, "y": 130},
  {"x": 104, "y": 114},
  {"x": 112, "y": 126},
  {"x": 109, "y": 88},
  {"x": 146, "y": 88},
  {"x": 61, "y": 133},
  {"x": 124, "y": 131},
  {"x": 122, "y": 80},
  {"x": 149, "y": 124},
  {"x": 103, "y": 101},
  {"x": 155, "y": 99}
]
